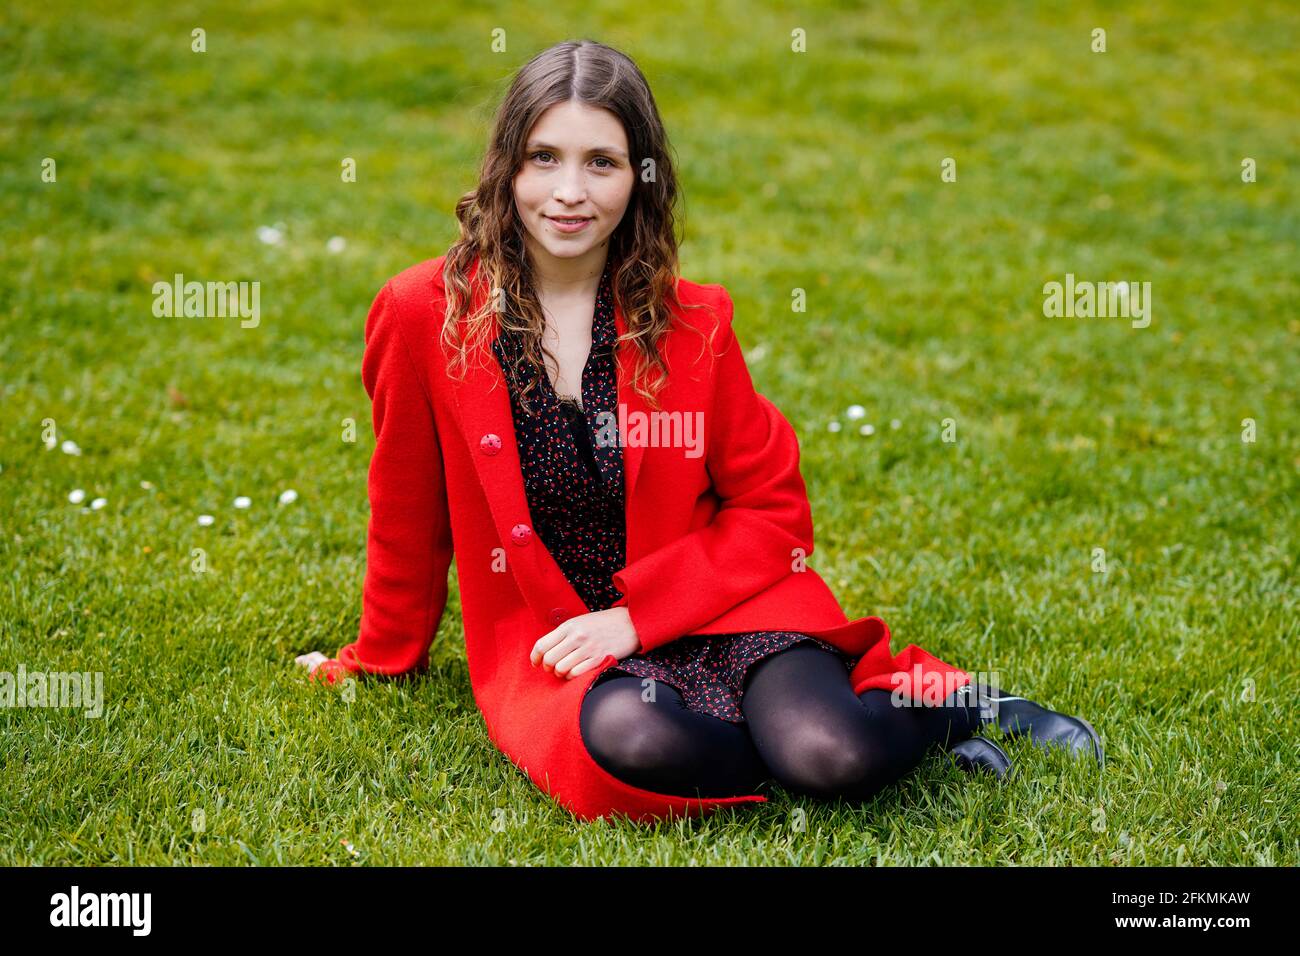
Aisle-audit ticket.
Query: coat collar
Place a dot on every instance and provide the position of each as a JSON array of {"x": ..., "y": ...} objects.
[{"x": 482, "y": 401}]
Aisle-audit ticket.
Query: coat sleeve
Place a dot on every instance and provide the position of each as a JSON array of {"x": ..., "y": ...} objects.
[
  {"x": 752, "y": 458},
  {"x": 408, "y": 542}
]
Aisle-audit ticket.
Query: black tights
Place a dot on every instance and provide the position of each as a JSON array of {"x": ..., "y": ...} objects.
[{"x": 805, "y": 728}]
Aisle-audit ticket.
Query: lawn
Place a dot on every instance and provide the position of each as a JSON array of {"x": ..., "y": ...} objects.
[{"x": 1067, "y": 501}]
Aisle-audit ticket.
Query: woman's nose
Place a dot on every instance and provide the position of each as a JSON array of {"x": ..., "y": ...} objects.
[{"x": 570, "y": 189}]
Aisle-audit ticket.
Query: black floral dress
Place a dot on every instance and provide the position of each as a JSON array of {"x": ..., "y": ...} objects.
[{"x": 574, "y": 485}]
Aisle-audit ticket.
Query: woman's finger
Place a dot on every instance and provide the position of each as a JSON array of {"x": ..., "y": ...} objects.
[
  {"x": 311, "y": 661},
  {"x": 561, "y": 651},
  {"x": 586, "y": 665},
  {"x": 547, "y": 641},
  {"x": 572, "y": 659}
]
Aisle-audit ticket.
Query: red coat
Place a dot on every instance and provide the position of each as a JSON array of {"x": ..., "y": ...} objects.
[{"x": 713, "y": 541}]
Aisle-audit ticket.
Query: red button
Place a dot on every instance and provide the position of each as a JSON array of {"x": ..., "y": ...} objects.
[
  {"x": 490, "y": 444},
  {"x": 559, "y": 615},
  {"x": 521, "y": 533}
]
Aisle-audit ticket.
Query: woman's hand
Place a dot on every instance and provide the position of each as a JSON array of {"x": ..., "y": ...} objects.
[
  {"x": 581, "y": 642},
  {"x": 320, "y": 667}
]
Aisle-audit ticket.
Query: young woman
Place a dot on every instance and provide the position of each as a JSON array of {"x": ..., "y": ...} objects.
[{"x": 630, "y": 525}]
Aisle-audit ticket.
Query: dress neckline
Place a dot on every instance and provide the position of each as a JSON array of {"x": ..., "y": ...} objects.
[{"x": 603, "y": 337}]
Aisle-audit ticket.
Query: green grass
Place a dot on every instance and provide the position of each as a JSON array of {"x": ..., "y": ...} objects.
[{"x": 817, "y": 171}]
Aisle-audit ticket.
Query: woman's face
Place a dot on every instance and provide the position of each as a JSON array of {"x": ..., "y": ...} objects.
[{"x": 575, "y": 166}]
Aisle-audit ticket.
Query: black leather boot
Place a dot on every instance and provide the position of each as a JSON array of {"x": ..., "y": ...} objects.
[
  {"x": 1022, "y": 717},
  {"x": 980, "y": 753}
]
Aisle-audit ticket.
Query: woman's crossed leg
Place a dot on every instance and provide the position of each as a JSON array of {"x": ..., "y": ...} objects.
[
  {"x": 817, "y": 737},
  {"x": 804, "y": 727},
  {"x": 654, "y": 741}
]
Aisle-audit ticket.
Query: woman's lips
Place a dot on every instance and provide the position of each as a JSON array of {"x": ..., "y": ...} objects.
[{"x": 570, "y": 226}]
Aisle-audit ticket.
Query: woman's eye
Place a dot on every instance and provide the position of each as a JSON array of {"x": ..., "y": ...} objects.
[{"x": 600, "y": 159}]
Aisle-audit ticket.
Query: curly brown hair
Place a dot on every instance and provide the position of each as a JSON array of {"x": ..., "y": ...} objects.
[{"x": 643, "y": 248}]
